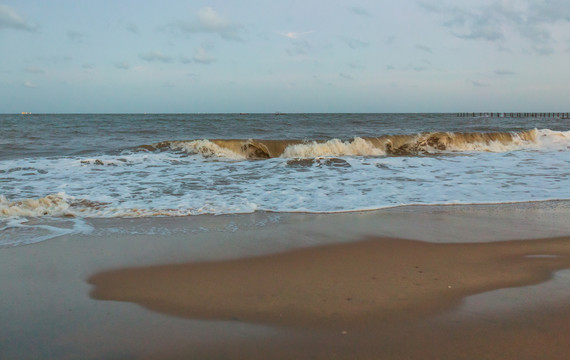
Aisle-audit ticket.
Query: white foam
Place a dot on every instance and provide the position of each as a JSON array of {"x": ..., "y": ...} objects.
[
  {"x": 553, "y": 140},
  {"x": 175, "y": 184},
  {"x": 20, "y": 231},
  {"x": 206, "y": 148},
  {"x": 334, "y": 147},
  {"x": 53, "y": 205}
]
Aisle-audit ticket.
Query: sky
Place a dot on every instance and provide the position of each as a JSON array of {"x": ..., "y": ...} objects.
[{"x": 175, "y": 56}]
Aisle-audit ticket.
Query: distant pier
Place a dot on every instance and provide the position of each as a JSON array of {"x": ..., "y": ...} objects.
[{"x": 558, "y": 115}]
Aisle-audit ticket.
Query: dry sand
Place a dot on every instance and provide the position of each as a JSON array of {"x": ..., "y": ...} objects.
[{"x": 379, "y": 298}]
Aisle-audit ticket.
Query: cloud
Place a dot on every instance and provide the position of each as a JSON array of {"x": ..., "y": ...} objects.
[
  {"x": 29, "y": 84},
  {"x": 185, "y": 59},
  {"x": 390, "y": 67},
  {"x": 355, "y": 43},
  {"x": 478, "y": 84},
  {"x": 35, "y": 70},
  {"x": 132, "y": 27},
  {"x": 10, "y": 19},
  {"x": 300, "y": 47},
  {"x": 495, "y": 21},
  {"x": 295, "y": 35},
  {"x": 88, "y": 68},
  {"x": 123, "y": 65},
  {"x": 209, "y": 21},
  {"x": 193, "y": 77},
  {"x": 502, "y": 48},
  {"x": 355, "y": 66},
  {"x": 201, "y": 56},
  {"x": 503, "y": 72},
  {"x": 155, "y": 56},
  {"x": 360, "y": 11},
  {"x": 76, "y": 36},
  {"x": 345, "y": 76},
  {"x": 423, "y": 48},
  {"x": 543, "y": 49}
]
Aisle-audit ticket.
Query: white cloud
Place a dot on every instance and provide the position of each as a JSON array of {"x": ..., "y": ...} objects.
[
  {"x": 201, "y": 56},
  {"x": 155, "y": 56},
  {"x": 10, "y": 19},
  {"x": 209, "y": 21},
  {"x": 29, "y": 84},
  {"x": 294, "y": 35},
  {"x": 345, "y": 76}
]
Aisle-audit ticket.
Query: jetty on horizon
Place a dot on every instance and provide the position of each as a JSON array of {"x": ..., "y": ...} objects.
[{"x": 559, "y": 115}]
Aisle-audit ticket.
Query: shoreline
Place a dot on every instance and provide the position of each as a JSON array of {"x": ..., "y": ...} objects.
[{"x": 47, "y": 313}]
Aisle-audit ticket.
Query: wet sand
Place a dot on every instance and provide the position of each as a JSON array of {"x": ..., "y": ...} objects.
[
  {"x": 344, "y": 285},
  {"x": 355, "y": 299},
  {"x": 282, "y": 286}
]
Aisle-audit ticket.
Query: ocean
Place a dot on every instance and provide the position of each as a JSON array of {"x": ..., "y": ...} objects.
[{"x": 59, "y": 172}]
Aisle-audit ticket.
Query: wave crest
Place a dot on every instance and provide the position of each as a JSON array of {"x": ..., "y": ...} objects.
[
  {"x": 54, "y": 205},
  {"x": 392, "y": 145}
]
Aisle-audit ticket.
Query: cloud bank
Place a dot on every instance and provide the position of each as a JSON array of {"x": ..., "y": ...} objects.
[{"x": 497, "y": 20}]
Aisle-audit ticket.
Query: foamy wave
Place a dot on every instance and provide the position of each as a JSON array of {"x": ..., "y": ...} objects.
[
  {"x": 206, "y": 148},
  {"x": 62, "y": 205},
  {"x": 395, "y": 145},
  {"x": 53, "y": 205},
  {"x": 558, "y": 140},
  {"x": 468, "y": 142},
  {"x": 335, "y": 147},
  {"x": 58, "y": 205}
]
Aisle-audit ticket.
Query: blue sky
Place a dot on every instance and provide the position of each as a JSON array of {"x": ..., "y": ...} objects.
[{"x": 289, "y": 56}]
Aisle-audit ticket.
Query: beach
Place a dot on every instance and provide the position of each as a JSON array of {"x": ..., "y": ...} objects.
[
  {"x": 277, "y": 180},
  {"x": 417, "y": 282}
]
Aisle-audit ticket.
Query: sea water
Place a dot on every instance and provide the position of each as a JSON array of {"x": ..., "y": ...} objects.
[{"x": 59, "y": 171}]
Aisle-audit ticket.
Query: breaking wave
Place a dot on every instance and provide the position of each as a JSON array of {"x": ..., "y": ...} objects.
[
  {"x": 63, "y": 205},
  {"x": 55, "y": 205},
  {"x": 389, "y": 145},
  {"x": 58, "y": 204}
]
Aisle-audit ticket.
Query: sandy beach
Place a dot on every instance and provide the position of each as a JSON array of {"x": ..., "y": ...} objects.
[
  {"x": 366, "y": 289},
  {"x": 461, "y": 282}
]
